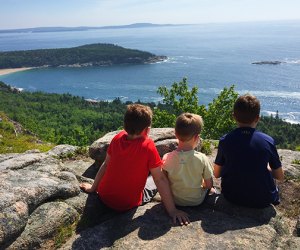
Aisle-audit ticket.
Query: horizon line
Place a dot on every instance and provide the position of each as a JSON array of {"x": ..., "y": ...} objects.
[{"x": 143, "y": 25}]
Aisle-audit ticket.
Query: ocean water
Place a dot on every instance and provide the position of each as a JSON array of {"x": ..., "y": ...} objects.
[{"x": 211, "y": 56}]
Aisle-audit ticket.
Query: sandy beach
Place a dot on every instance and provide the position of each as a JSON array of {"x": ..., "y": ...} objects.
[{"x": 9, "y": 71}]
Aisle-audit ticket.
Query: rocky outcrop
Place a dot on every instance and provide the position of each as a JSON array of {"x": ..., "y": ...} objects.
[
  {"x": 268, "y": 62},
  {"x": 44, "y": 223},
  {"x": 40, "y": 202},
  {"x": 287, "y": 158},
  {"x": 28, "y": 182},
  {"x": 98, "y": 149},
  {"x": 215, "y": 225}
]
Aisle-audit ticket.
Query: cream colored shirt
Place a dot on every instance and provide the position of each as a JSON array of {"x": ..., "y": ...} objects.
[{"x": 186, "y": 171}]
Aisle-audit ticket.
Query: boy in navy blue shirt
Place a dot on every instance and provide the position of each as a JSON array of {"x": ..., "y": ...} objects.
[{"x": 247, "y": 160}]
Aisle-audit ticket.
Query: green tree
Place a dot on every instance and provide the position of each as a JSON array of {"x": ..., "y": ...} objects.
[
  {"x": 181, "y": 98},
  {"x": 178, "y": 99},
  {"x": 218, "y": 119},
  {"x": 163, "y": 119}
]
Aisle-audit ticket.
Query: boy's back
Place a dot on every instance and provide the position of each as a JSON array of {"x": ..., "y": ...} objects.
[
  {"x": 186, "y": 172},
  {"x": 129, "y": 165},
  {"x": 245, "y": 154},
  {"x": 247, "y": 160},
  {"x": 189, "y": 172}
]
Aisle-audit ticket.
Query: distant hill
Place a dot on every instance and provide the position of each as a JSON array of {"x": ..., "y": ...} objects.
[
  {"x": 82, "y": 28},
  {"x": 86, "y": 55}
]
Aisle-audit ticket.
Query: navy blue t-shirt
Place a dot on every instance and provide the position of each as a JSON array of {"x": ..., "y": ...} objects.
[{"x": 244, "y": 155}]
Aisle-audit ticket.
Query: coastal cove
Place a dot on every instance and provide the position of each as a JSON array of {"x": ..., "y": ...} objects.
[{"x": 211, "y": 56}]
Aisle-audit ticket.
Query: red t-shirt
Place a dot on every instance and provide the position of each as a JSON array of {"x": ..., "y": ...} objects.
[{"x": 121, "y": 187}]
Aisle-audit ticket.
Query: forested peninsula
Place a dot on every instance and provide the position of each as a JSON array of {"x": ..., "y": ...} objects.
[{"x": 81, "y": 56}]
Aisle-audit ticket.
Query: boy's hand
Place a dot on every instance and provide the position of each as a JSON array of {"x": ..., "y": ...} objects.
[
  {"x": 181, "y": 216},
  {"x": 87, "y": 187}
]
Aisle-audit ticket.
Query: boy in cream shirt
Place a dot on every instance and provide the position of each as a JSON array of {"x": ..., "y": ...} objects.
[{"x": 189, "y": 172}]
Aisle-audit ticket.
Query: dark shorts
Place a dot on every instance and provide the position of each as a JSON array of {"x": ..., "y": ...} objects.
[{"x": 149, "y": 191}]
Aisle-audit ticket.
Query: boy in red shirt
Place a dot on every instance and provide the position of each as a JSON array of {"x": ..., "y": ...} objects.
[{"x": 121, "y": 179}]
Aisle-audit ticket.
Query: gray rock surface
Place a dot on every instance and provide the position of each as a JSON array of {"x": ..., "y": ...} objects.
[
  {"x": 27, "y": 181},
  {"x": 43, "y": 224},
  {"x": 20, "y": 161},
  {"x": 98, "y": 149},
  {"x": 213, "y": 226},
  {"x": 287, "y": 157},
  {"x": 62, "y": 150},
  {"x": 40, "y": 196},
  {"x": 83, "y": 169}
]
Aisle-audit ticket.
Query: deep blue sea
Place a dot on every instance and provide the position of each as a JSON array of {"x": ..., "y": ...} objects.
[{"x": 211, "y": 56}]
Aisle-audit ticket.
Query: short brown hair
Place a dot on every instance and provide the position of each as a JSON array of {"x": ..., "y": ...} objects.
[
  {"x": 188, "y": 125},
  {"x": 137, "y": 118},
  {"x": 246, "y": 108}
]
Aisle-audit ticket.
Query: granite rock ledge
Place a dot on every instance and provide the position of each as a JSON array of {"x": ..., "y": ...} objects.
[{"x": 40, "y": 198}]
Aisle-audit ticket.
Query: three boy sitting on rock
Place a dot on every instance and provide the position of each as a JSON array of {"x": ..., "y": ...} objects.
[{"x": 247, "y": 161}]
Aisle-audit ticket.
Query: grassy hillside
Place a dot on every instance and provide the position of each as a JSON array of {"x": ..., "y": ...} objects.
[
  {"x": 86, "y": 55},
  {"x": 15, "y": 140}
]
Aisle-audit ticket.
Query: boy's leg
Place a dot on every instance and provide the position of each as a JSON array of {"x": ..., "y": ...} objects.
[{"x": 149, "y": 191}]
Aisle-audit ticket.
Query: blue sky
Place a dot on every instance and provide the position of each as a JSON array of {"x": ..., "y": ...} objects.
[{"x": 70, "y": 13}]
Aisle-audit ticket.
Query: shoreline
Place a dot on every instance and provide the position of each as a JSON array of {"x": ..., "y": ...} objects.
[
  {"x": 155, "y": 59},
  {"x": 10, "y": 71}
]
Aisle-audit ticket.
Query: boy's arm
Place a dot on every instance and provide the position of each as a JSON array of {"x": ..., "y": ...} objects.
[
  {"x": 278, "y": 174},
  {"x": 217, "y": 170},
  {"x": 208, "y": 183},
  {"x": 92, "y": 188},
  {"x": 164, "y": 190}
]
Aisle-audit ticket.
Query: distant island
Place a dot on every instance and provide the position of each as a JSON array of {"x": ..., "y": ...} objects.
[
  {"x": 83, "y": 28},
  {"x": 82, "y": 56}
]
